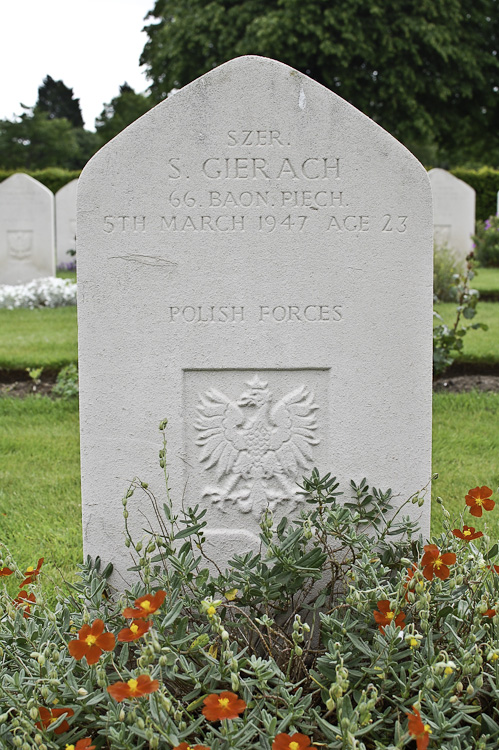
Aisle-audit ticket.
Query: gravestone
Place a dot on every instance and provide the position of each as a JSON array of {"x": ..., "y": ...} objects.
[
  {"x": 65, "y": 222},
  {"x": 255, "y": 264},
  {"x": 453, "y": 212},
  {"x": 26, "y": 230}
]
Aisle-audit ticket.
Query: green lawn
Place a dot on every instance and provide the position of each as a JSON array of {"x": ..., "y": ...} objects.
[
  {"x": 40, "y": 512},
  {"x": 45, "y": 337},
  {"x": 479, "y": 346},
  {"x": 486, "y": 280}
]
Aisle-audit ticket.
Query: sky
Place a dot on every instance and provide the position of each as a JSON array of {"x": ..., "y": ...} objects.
[{"x": 92, "y": 45}]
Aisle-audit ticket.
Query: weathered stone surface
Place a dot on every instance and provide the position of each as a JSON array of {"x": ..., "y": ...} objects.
[
  {"x": 453, "y": 212},
  {"x": 65, "y": 222},
  {"x": 26, "y": 230},
  {"x": 254, "y": 263}
]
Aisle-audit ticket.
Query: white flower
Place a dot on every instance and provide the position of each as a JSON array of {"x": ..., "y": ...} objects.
[{"x": 47, "y": 292}]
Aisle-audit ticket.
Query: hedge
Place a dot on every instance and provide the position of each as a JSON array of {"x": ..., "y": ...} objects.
[
  {"x": 485, "y": 181},
  {"x": 52, "y": 177}
]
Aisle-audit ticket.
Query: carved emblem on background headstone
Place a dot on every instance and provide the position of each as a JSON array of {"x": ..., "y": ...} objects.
[
  {"x": 19, "y": 242},
  {"x": 255, "y": 446}
]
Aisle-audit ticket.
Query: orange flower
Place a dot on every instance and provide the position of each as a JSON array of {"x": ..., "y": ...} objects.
[
  {"x": 49, "y": 716},
  {"x": 81, "y": 745},
  {"x": 385, "y": 616},
  {"x": 134, "y": 688},
  {"x": 410, "y": 576},
  {"x": 24, "y": 601},
  {"x": 489, "y": 613},
  {"x": 6, "y": 572},
  {"x": 185, "y": 746},
  {"x": 493, "y": 567},
  {"x": 225, "y": 705},
  {"x": 135, "y": 631},
  {"x": 479, "y": 499},
  {"x": 91, "y": 642},
  {"x": 31, "y": 573},
  {"x": 421, "y": 732},
  {"x": 467, "y": 534},
  {"x": 294, "y": 742},
  {"x": 434, "y": 563},
  {"x": 145, "y": 605}
]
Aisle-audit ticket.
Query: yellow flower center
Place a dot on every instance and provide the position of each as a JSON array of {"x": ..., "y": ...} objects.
[
  {"x": 414, "y": 643},
  {"x": 427, "y": 728},
  {"x": 90, "y": 640},
  {"x": 53, "y": 719},
  {"x": 438, "y": 562},
  {"x": 211, "y": 611},
  {"x": 467, "y": 532},
  {"x": 390, "y": 615},
  {"x": 495, "y": 657},
  {"x": 478, "y": 501},
  {"x": 224, "y": 702},
  {"x": 146, "y": 605},
  {"x": 294, "y": 746},
  {"x": 448, "y": 670},
  {"x": 134, "y": 628},
  {"x": 30, "y": 569},
  {"x": 70, "y": 747},
  {"x": 132, "y": 684}
]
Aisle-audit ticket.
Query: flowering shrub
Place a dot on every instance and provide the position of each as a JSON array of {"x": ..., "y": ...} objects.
[
  {"x": 486, "y": 242},
  {"x": 48, "y": 292},
  {"x": 300, "y": 645}
]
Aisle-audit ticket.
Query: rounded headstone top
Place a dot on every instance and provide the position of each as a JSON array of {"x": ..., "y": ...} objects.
[
  {"x": 441, "y": 177},
  {"x": 21, "y": 182}
]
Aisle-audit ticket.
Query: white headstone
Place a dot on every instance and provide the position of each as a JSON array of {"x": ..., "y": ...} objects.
[
  {"x": 255, "y": 264},
  {"x": 453, "y": 212},
  {"x": 65, "y": 222},
  {"x": 26, "y": 230}
]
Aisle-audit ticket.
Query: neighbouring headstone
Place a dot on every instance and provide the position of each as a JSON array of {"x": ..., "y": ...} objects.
[
  {"x": 453, "y": 212},
  {"x": 26, "y": 230},
  {"x": 65, "y": 222},
  {"x": 255, "y": 264}
]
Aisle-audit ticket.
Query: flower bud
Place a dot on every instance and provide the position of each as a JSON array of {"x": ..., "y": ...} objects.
[
  {"x": 470, "y": 690},
  {"x": 140, "y": 723},
  {"x": 33, "y": 712},
  {"x": 298, "y": 650},
  {"x": 234, "y": 681},
  {"x": 138, "y": 547},
  {"x": 38, "y": 739},
  {"x": 122, "y": 715}
]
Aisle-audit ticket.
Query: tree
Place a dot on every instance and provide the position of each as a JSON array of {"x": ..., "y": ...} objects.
[
  {"x": 34, "y": 141},
  {"x": 426, "y": 70},
  {"x": 121, "y": 112},
  {"x": 58, "y": 101}
]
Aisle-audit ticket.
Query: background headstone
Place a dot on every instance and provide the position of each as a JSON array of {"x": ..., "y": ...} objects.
[
  {"x": 65, "y": 222},
  {"x": 453, "y": 212},
  {"x": 26, "y": 230},
  {"x": 255, "y": 264}
]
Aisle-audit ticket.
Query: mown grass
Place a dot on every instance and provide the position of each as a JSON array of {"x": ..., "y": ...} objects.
[
  {"x": 486, "y": 280},
  {"x": 40, "y": 514},
  {"x": 45, "y": 337},
  {"x": 40, "y": 505},
  {"x": 479, "y": 346}
]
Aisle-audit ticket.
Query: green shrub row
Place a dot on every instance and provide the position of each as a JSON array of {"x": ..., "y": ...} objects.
[
  {"x": 52, "y": 177},
  {"x": 485, "y": 181}
]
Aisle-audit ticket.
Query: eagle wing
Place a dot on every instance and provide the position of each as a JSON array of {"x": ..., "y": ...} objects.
[
  {"x": 294, "y": 424},
  {"x": 220, "y": 437}
]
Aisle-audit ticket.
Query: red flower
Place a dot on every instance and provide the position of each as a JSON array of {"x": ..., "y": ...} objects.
[
  {"x": 146, "y": 605},
  {"x": 24, "y": 601},
  {"x": 410, "y": 576},
  {"x": 225, "y": 705},
  {"x": 135, "y": 631},
  {"x": 489, "y": 613},
  {"x": 91, "y": 642},
  {"x": 434, "y": 563},
  {"x": 185, "y": 746},
  {"x": 49, "y": 716},
  {"x": 421, "y": 732},
  {"x": 82, "y": 745},
  {"x": 31, "y": 573},
  {"x": 6, "y": 572},
  {"x": 294, "y": 742},
  {"x": 133, "y": 688},
  {"x": 479, "y": 499},
  {"x": 493, "y": 567},
  {"x": 385, "y": 616},
  {"x": 467, "y": 534}
]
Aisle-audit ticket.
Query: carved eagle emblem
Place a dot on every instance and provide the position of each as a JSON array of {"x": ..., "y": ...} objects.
[{"x": 255, "y": 446}]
